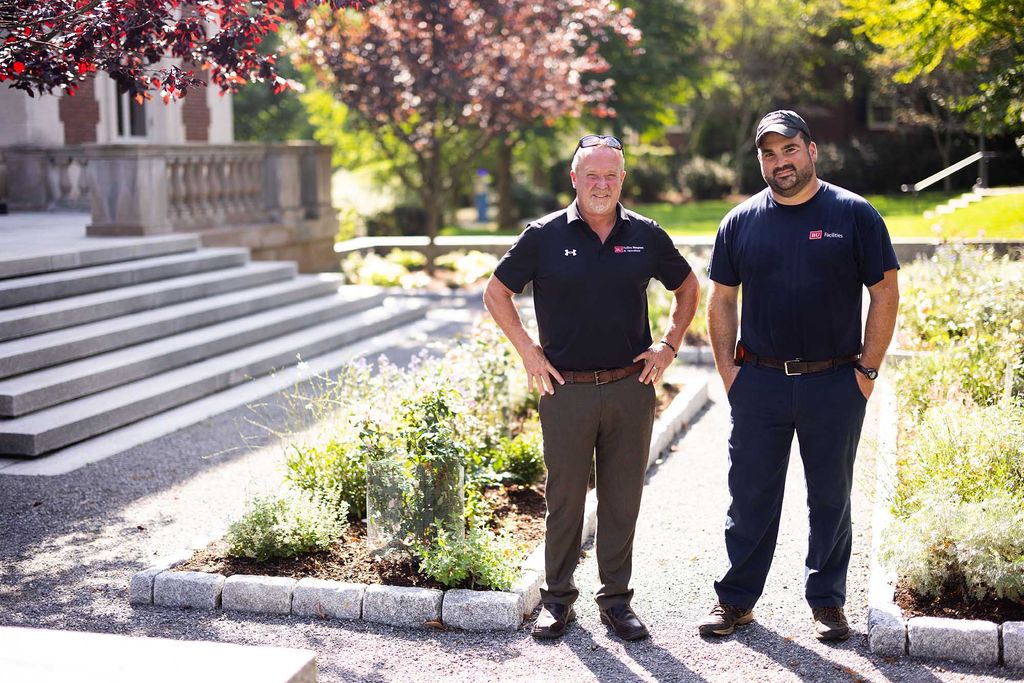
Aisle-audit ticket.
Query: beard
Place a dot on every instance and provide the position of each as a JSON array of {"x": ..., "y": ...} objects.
[
  {"x": 600, "y": 204},
  {"x": 793, "y": 184}
]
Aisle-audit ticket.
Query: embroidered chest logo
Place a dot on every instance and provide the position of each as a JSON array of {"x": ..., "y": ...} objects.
[
  {"x": 819, "y": 234},
  {"x": 628, "y": 249},
  {"x": 570, "y": 252}
]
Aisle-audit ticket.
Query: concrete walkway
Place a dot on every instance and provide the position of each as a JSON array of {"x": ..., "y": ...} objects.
[{"x": 70, "y": 544}]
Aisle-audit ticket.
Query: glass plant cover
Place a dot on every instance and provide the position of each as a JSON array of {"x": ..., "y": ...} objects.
[{"x": 405, "y": 499}]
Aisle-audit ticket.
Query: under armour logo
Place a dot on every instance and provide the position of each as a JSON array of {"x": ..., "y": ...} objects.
[{"x": 570, "y": 252}]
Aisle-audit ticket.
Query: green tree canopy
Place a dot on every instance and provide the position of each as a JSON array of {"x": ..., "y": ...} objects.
[{"x": 983, "y": 39}]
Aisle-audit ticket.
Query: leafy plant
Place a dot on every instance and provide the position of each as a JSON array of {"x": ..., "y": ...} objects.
[
  {"x": 285, "y": 525},
  {"x": 415, "y": 474},
  {"x": 335, "y": 472},
  {"x": 521, "y": 458},
  {"x": 970, "y": 452},
  {"x": 706, "y": 178},
  {"x": 469, "y": 266},
  {"x": 477, "y": 559},
  {"x": 975, "y": 548}
]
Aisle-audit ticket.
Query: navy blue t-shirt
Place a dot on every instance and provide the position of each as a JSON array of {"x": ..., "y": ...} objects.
[
  {"x": 802, "y": 269},
  {"x": 591, "y": 298}
]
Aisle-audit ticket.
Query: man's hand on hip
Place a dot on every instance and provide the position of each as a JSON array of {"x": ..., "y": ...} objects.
[
  {"x": 656, "y": 359},
  {"x": 540, "y": 370}
]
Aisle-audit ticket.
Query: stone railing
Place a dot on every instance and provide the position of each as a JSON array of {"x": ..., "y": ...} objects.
[
  {"x": 45, "y": 178},
  {"x": 274, "y": 199}
]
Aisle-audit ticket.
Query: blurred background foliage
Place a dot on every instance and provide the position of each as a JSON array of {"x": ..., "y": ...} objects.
[{"x": 893, "y": 93}]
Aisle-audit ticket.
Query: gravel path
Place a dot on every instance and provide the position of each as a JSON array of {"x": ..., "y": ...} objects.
[{"x": 70, "y": 544}]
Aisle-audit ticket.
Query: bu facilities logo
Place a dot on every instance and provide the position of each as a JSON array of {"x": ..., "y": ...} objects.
[
  {"x": 819, "y": 234},
  {"x": 627, "y": 249}
]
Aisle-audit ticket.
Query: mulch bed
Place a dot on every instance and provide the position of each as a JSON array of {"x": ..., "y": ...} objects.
[
  {"x": 953, "y": 604},
  {"x": 520, "y": 508}
]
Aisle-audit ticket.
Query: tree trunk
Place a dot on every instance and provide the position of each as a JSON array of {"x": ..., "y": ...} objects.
[
  {"x": 740, "y": 144},
  {"x": 431, "y": 195},
  {"x": 503, "y": 187}
]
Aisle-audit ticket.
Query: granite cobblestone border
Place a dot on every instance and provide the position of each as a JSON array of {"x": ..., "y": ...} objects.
[
  {"x": 162, "y": 586},
  {"x": 972, "y": 641}
]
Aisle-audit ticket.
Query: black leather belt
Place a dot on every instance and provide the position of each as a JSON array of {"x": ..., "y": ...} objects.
[
  {"x": 796, "y": 366},
  {"x": 600, "y": 376}
]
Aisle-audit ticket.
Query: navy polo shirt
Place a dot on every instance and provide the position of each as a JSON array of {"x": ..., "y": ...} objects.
[
  {"x": 591, "y": 298},
  {"x": 802, "y": 269}
]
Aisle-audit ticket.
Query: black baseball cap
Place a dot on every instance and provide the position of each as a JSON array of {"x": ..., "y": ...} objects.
[{"x": 785, "y": 122}]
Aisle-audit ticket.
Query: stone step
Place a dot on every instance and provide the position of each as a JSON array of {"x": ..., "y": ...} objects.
[
  {"x": 51, "y": 428},
  {"x": 47, "y": 656},
  {"x": 113, "y": 250},
  {"x": 24, "y": 321},
  {"x": 61, "y": 346},
  {"x": 52, "y": 386},
  {"x": 60, "y": 284}
]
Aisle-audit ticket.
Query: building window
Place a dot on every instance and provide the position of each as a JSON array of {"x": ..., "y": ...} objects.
[
  {"x": 131, "y": 116},
  {"x": 881, "y": 113}
]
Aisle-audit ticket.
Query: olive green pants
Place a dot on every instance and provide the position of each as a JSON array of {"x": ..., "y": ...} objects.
[{"x": 608, "y": 426}]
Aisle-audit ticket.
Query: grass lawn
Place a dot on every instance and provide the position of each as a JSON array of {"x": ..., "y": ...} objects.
[{"x": 994, "y": 217}]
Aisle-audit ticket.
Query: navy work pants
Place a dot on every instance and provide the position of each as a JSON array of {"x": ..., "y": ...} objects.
[{"x": 826, "y": 411}]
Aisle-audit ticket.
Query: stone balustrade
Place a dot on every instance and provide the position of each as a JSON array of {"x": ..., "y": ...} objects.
[
  {"x": 271, "y": 198},
  {"x": 46, "y": 178}
]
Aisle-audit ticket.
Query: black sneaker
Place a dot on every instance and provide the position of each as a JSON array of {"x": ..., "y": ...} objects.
[
  {"x": 830, "y": 623},
  {"x": 724, "y": 619}
]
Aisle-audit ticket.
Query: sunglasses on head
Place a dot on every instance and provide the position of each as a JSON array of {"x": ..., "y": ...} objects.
[{"x": 599, "y": 140}]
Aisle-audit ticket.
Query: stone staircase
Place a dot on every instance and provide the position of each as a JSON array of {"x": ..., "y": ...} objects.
[
  {"x": 94, "y": 338},
  {"x": 966, "y": 199}
]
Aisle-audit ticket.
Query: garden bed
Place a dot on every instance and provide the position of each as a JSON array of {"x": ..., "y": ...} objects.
[
  {"x": 954, "y": 604},
  {"x": 395, "y": 605},
  {"x": 949, "y": 518},
  {"x": 520, "y": 508}
]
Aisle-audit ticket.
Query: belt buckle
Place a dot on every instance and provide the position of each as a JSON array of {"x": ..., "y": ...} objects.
[
  {"x": 785, "y": 366},
  {"x": 597, "y": 378}
]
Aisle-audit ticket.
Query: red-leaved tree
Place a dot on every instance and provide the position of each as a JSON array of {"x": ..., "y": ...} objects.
[
  {"x": 48, "y": 45},
  {"x": 445, "y": 77}
]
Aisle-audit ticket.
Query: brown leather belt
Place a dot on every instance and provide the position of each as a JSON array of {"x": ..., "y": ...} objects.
[
  {"x": 600, "y": 376},
  {"x": 797, "y": 366}
]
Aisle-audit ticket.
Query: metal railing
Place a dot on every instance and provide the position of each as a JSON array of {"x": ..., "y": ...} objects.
[{"x": 982, "y": 157}]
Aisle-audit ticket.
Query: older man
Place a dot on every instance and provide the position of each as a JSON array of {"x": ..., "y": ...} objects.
[{"x": 595, "y": 366}]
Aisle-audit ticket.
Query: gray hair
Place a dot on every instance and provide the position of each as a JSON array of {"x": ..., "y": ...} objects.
[{"x": 578, "y": 156}]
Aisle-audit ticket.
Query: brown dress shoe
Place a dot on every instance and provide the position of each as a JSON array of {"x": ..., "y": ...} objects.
[
  {"x": 554, "y": 618},
  {"x": 623, "y": 619}
]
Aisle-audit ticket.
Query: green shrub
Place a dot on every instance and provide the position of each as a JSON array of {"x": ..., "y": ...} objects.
[
  {"x": 706, "y": 179},
  {"x": 970, "y": 452},
  {"x": 649, "y": 177},
  {"x": 335, "y": 472},
  {"x": 529, "y": 202},
  {"x": 962, "y": 295},
  {"x": 469, "y": 266},
  {"x": 477, "y": 559},
  {"x": 407, "y": 258},
  {"x": 372, "y": 270},
  {"x": 521, "y": 458},
  {"x": 415, "y": 473},
  {"x": 403, "y": 219},
  {"x": 285, "y": 525},
  {"x": 948, "y": 545}
]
